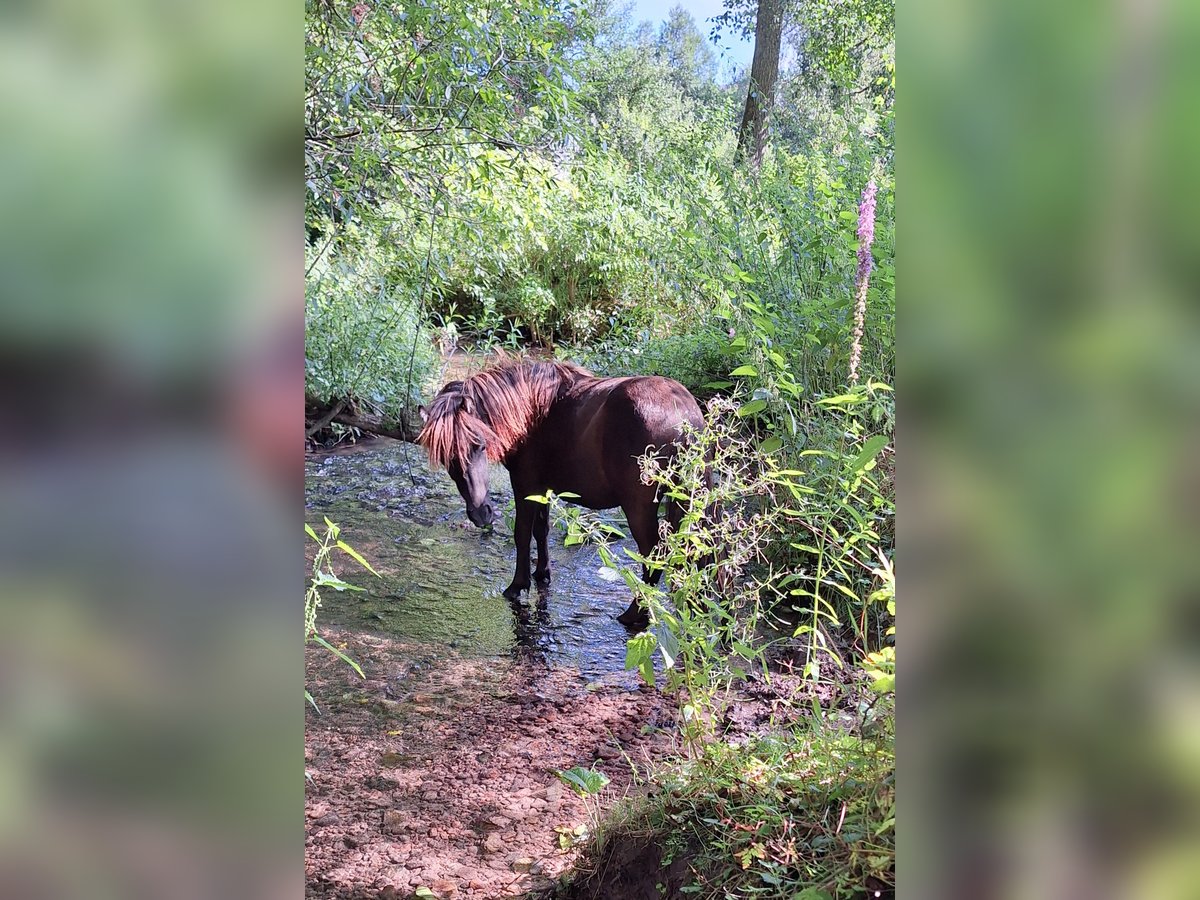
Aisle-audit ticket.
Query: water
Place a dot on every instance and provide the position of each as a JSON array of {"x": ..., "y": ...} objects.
[{"x": 442, "y": 577}]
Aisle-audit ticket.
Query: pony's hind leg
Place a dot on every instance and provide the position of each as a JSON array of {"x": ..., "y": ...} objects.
[
  {"x": 643, "y": 523},
  {"x": 541, "y": 532}
]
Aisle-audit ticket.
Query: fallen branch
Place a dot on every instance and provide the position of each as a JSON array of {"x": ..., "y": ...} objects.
[
  {"x": 325, "y": 419},
  {"x": 343, "y": 413}
]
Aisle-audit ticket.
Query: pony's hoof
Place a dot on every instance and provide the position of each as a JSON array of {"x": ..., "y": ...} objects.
[
  {"x": 513, "y": 591},
  {"x": 634, "y": 618},
  {"x": 542, "y": 578}
]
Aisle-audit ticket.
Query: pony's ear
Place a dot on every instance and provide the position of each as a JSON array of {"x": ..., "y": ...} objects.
[
  {"x": 468, "y": 405},
  {"x": 423, "y": 413}
]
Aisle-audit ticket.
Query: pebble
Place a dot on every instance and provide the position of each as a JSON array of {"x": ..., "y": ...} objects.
[{"x": 494, "y": 843}]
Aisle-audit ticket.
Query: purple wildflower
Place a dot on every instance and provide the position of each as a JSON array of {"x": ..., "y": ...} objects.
[
  {"x": 866, "y": 228},
  {"x": 866, "y": 235}
]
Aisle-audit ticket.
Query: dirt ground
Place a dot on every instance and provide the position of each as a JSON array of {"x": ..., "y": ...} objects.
[{"x": 437, "y": 772}]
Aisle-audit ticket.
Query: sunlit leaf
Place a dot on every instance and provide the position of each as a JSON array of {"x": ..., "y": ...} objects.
[
  {"x": 870, "y": 449},
  {"x": 350, "y": 551}
]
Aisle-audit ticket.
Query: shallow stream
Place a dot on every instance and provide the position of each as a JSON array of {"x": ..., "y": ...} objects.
[{"x": 441, "y": 577}]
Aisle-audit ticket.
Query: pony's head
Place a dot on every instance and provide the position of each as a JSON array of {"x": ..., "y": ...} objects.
[
  {"x": 486, "y": 417},
  {"x": 461, "y": 443}
]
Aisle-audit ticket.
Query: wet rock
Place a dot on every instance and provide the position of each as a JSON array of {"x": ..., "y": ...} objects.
[
  {"x": 394, "y": 821},
  {"x": 527, "y": 865},
  {"x": 443, "y": 887}
]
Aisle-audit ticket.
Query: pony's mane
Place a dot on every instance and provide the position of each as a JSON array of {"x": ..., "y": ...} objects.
[{"x": 496, "y": 408}]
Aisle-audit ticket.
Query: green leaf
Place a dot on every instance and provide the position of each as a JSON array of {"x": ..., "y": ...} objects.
[
  {"x": 324, "y": 579},
  {"x": 668, "y": 644},
  {"x": 317, "y": 639},
  {"x": 869, "y": 452},
  {"x": 749, "y": 409},
  {"x": 312, "y": 534},
  {"x": 351, "y": 552},
  {"x": 608, "y": 573},
  {"x": 841, "y": 400},
  {"x": 582, "y": 781},
  {"x": 639, "y": 654},
  {"x": 770, "y": 445},
  {"x": 746, "y": 370}
]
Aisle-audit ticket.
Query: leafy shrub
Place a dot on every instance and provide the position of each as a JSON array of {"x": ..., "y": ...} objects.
[
  {"x": 364, "y": 336},
  {"x": 809, "y": 813},
  {"x": 697, "y": 359}
]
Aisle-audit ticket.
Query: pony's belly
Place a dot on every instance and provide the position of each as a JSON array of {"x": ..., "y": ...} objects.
[{"x": 595, "y": 500}]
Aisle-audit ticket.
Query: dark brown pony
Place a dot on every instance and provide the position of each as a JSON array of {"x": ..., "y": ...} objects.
[{"x": 557, "y": 427}]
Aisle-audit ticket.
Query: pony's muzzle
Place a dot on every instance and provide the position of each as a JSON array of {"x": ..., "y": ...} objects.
[{"x": 483, "y": 515}]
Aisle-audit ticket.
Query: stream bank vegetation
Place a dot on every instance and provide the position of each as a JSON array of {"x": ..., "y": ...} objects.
[{"x": 548, "y": 177}]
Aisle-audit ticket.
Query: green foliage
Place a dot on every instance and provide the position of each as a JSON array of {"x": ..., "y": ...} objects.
[
  {"x": 323, "y": 576},
  {"x": 398, "y": 95},
  {"x": 364, "y": 336},
  {"x": 696, "y": 358},
  {"x": 809, "y": 813}
]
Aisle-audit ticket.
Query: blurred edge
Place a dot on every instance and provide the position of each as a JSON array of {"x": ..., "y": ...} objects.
[
  {"x": 151, "y": 395},
  {"x": 1049, "y": 717}
]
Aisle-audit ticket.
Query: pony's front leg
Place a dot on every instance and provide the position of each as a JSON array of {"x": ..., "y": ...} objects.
[
  {"x": 541, "y": 532},
  {"x": 522, "y": 533}
]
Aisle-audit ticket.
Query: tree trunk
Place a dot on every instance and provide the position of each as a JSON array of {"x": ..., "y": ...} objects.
[{"x": 764, "y": 72}]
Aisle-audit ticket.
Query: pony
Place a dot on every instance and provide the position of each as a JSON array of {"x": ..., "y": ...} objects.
[{"x": 557, "y": 427}]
